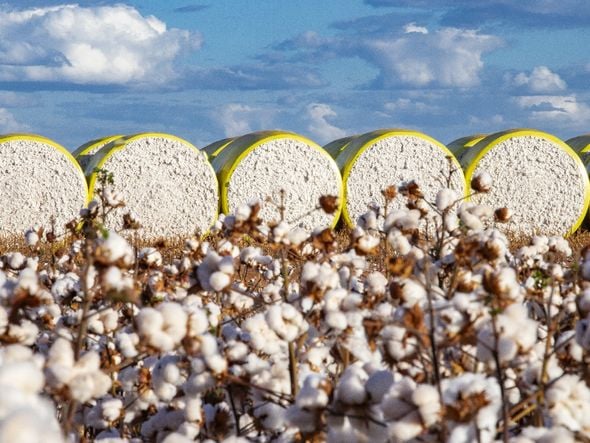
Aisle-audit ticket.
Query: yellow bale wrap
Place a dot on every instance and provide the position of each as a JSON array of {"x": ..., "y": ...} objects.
[
  {"x": 230, "y": 154},
  {"x": 349, "y": 150},
  {"x": 535, "y": 180}
]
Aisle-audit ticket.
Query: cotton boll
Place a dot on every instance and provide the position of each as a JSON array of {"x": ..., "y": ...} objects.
[
  {"x": 31, "y": 237},
  {"x": 219, "y": 281},
  {"x": 15, "y": 260},
  {"x": 197, "y": 322},
  {"x": 114, "y": 249},
  {"x": 24, "y": 333},
  {"x": 471, "y": 221},
  {"x": 412, "y": 292},
  {"x": 445, "y": 198},
  {"x": 313, "y": 394},
  {"x": 27, "y": 425},
  {"x": 286, "y": 321},
  {"x": 336, "y": 320},
  {"x": 150, "y": 256},
  {"x": 399, "y": 242},
  {"x": 127, "y": 342},
  {"x": 351, "y": 389},
  {"x": 482, "y": 182},
  {"x": 376, "y": 283},
  {"x": 297, "y": 236},
  {"x": 111, "y": 408},
  {"x": 271, "y": 416}
]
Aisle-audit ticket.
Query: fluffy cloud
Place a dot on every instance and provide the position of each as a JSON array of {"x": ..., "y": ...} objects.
[
  {"x": 541, "y": 80},
  {"x": 323, "y": 131},
  {"x": 447, "y": 57},
  {"x": 8, "y": 123},
  {"x": 565, "y": 110},
  {"x": 238, "y": 119},
  {"x": 104, "y": 45}
]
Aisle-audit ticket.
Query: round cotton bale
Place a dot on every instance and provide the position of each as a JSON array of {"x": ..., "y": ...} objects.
[
  {"x": 376, "y": 160},
  {"x": 459, "y": 146},
  {"x": 265, "y": 165},
  {"x": 85, "y": 152},
  {"x": 165, "y": 181},
  {"x": 334, "y": 148},
  {"x": 216, "y": 147},
  {"x": 580, "y": 144},
  {"x": 40, "y": 184},
  {"x": 536, "y": 175}
]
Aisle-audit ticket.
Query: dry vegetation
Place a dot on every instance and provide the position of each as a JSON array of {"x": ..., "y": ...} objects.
[{"x": 424, "y": 324}]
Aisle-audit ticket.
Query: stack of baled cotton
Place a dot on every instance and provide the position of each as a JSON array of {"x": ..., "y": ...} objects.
[
  {"x": 85, "y": 152},
  {"x": 216, "y": 147},
  {"x": 581, "y": 145},
  {"x": 461, "y": 145},
  {"x": 40, "y": 184},
  {"x": 534, "y": 174},
  {"x": 372, "y": 162},
  {"x": 274, "y": 168},
  {"x": 167, "y": 184}
]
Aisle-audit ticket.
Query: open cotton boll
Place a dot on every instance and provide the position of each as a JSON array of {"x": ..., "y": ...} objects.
[
  {"x": 537, "y": 176},
  {"x": 41, "y": 183},
  {"x": 163, "y": 327},
  {"x": 165, "y": 182},
  {"x": 276, "y": 166},
  {"x": 374, "y": 161}
]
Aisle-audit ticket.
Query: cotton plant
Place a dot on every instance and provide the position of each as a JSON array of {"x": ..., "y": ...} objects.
[{"x": 422, "y": 323}]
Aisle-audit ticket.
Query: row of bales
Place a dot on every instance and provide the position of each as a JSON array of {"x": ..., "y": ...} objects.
[{"x": 175, "y": 189}]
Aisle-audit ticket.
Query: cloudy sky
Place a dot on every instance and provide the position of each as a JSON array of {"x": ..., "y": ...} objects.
[{"x": 325, "y": 69}]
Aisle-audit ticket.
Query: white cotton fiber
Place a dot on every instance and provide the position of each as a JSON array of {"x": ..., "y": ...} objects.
[
  {"x": 167, "y": 184},
  {"x": 534, "y": 174},
  {"x": 40, "y": 184},
  {"x": 391, "y": 157},
  {"x": 258, "y": 166}
]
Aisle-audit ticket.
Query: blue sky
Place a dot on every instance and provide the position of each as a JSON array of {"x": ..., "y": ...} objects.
[{"x": 205, "y": 70}]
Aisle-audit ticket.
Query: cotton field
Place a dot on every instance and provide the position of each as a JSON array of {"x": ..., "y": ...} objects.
[{"x": 426, "y": 327}]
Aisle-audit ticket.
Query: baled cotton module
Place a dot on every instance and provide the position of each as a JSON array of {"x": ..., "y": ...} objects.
[
  {"x": 40, "y": 184},
  {"x": 374, "y": 161},
  {"x": 166, "y": 183},
  {"x": 534, "y": 174},
  {"x": 279, "y": 169}
]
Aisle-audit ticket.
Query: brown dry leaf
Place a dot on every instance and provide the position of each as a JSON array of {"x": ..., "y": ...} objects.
[{"x": 466, "y": 408}]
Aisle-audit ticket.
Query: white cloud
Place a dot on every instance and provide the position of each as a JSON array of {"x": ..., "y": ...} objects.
[
  {"x": 237, "y": 119},
  {"x": 318, "y": 115},
  {"x": 448, "y": 57},
  {"x": 9, "y": 124},
  {"x": 540, "y": 81},
  {"x": 565, "y": 110},
  {"x": 408, "y": 105},
  {"x": 94, "y": 45},
  {"x": 412, "y": 27}
]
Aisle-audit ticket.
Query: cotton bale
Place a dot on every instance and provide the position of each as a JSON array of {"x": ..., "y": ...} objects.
[
  {"x": 373, "y": 161},
  {"x": 40, "y": 184},
  {"x": 580, "y": 144},
  {"x": 459, "y": 146},
  {"x": 536, "y": 175},
  {"x": 216, "y": 147},
  {"x": 334, "y": 148},
  {"x": 165, "y": 182},
  {"x": 270, "y": 166},
  {"x": 85, "y": 152}
]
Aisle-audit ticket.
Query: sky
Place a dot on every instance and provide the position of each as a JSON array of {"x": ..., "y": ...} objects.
[{"x": 210, "y": 69}]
